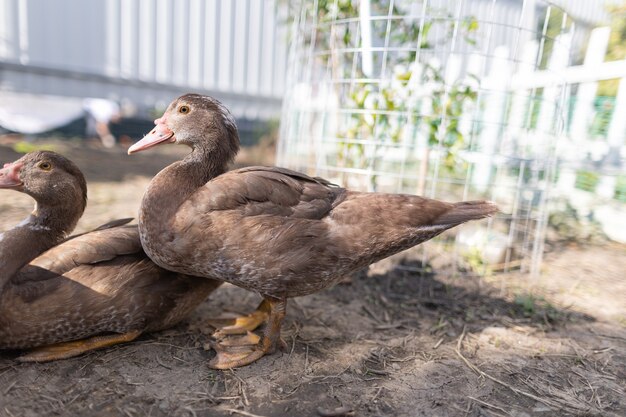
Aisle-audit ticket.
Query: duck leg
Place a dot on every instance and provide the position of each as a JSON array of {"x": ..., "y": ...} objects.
[
  {"x": 230, "y": 355},
  {"x": 78, "y": 347},
  {"x": 242, "y": 324}
]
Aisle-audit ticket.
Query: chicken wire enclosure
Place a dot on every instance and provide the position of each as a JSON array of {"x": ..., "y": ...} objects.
[{"x": 434, "y": 98}]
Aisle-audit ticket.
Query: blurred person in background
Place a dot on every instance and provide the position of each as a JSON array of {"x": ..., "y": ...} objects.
[{"x": 100, "y": 113}]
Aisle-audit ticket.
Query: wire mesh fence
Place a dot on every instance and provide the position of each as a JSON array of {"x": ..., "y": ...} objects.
[{"x": 433, "y": 98}]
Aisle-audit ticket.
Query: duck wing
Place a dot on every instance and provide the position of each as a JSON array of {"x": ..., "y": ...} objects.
[
  {"x": 87, "y": 249},
  {"x": 270, "y": 191}
]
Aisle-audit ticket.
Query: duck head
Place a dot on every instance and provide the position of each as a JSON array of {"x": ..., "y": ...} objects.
[
  {"x": 51, "y": 179},
  {"x": 200, "y": 122}
]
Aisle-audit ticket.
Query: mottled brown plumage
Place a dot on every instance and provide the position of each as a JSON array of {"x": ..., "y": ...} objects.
[
  {"x": 91, "y": 284},
  {"x": 271, "y": 230}
]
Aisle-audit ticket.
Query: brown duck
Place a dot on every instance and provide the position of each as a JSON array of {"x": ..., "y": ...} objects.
[
  {"x": 86, "y": 292},
  {"x": 271, "y": 230}
]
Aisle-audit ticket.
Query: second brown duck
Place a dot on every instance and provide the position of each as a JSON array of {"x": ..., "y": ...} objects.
[
  {"x": 271, "y": 230},
  {"x": 66, "y": 296}
]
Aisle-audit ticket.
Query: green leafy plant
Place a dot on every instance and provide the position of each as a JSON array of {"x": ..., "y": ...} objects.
[
  {"x": 26, "y": 147},
  {"x": 476, "y": 262},
  {"x": 410, "y": 99},
  {"x": 587, "y": 180},
  {"x": 533, "y": 305},
  {"x": 604, "y": 108},
  {"x": 570, "y": 225}
]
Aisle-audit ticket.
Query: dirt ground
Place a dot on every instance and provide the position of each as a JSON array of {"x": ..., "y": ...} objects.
[{"x": 390, "y": 342}]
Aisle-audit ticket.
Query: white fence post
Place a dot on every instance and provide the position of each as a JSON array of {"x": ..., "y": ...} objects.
[
  {"x": 520, "y": 102},
  {"x": 495, "y": 106},
  {"x": 558, "y": 61},
  {"x": 617, "y": 127},
  {"x": 367, "y": 62},
  {"x": 583, "y": 110}
]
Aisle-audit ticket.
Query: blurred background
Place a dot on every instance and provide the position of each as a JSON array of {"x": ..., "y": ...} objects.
[
  {"x": 68, "y": 65},
  {"x": 520, "y": 102}
]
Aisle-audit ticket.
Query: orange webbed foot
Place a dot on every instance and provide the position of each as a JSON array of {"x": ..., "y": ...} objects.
[
  {"x": 242, "y": 324},
  {"x": 232, "y": 352},
  {"x": 67, "y": 350}
]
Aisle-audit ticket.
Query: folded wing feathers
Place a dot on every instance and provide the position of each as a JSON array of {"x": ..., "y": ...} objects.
[{"x": 90, "y": 248}]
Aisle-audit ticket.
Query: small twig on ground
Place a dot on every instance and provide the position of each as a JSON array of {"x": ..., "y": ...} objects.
[
  {"x": 607, "y": 336},
  {"x": 106, "y": 358},
  {"x": 371, "y": 313},
  {"x": 191, "y": 411},
  {"x": 405, "y": 359},
  {"x": 389, "y": 326},
  {"x": 124, "y": 411},
  {"x": 373, "y": 399},
  {"x": 67, "y": 404},
  {"x": 166, "y": 344},
  {"x": 6, "y": 391},
  {"x": 337, "y": 412},
  {"x": 467, "y": 409},
  {"x": 439, "y": 342},
  {"x": 486, "y": 404},
  {"x": 594, "y": 392},
  {"x": 293, "y": 340},
  {"x": 380, "y": 372},
  {"x": 86, "y": 364},
  {"x": 325, "y": 377},
  {"x": 53, "y": 399},
  {"x": 158, "y": 359},
  {"x": 242, "y": 389},
  {"x": 241, "y": 412}
]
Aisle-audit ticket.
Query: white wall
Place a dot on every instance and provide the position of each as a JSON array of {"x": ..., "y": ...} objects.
[{"x": 146, "y": 51}]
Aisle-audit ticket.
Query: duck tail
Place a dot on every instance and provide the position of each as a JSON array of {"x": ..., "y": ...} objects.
[{"x": 465, "y": 211}]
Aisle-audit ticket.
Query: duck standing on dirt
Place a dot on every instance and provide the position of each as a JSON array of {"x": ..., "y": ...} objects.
[
  {"x": 271, "y": 230},
  {"x": 69, "y": 296}
]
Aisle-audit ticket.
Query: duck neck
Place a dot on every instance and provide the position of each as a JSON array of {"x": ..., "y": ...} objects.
[
  {"x": 171, "y": 187},
  {"x": 29, "y": 239}
]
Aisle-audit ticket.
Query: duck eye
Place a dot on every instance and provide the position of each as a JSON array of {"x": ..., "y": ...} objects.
[
  {"x": 45, "y": 166},
  {"x": 183, "y": 109}
]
